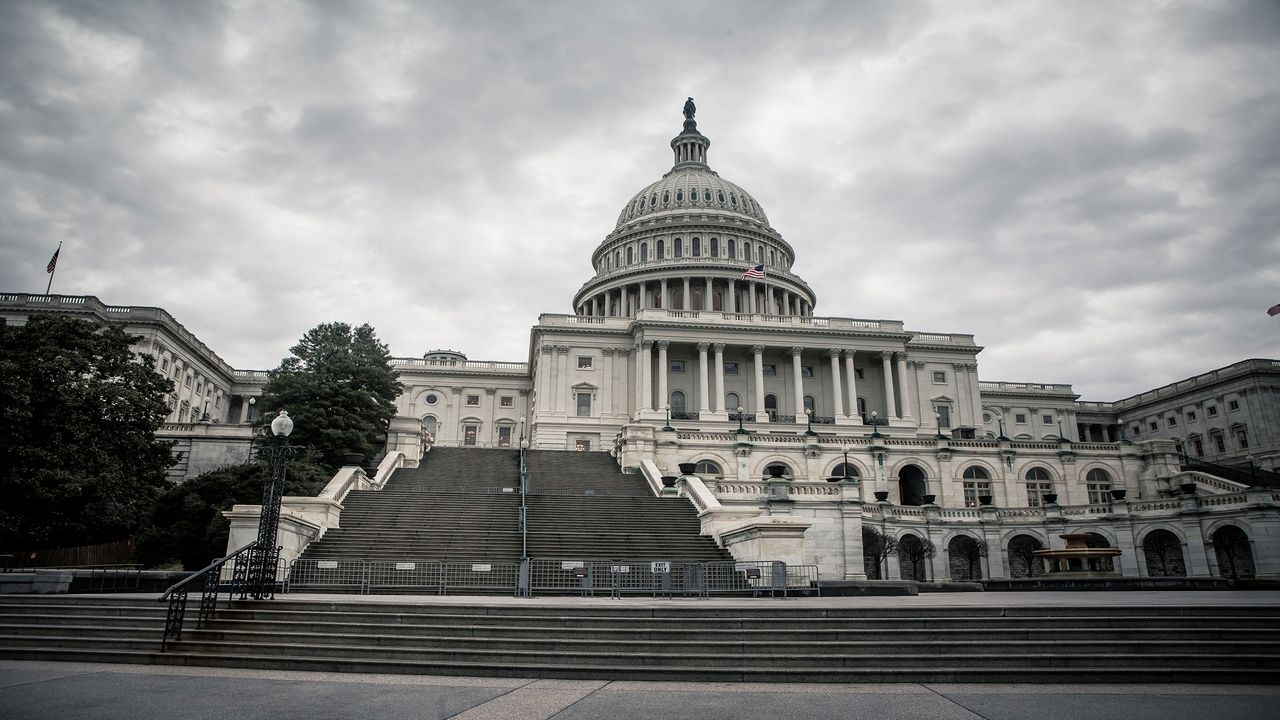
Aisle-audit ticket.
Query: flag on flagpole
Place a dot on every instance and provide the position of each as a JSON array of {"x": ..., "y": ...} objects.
[
  {"x": 1274, "y": 310},
  {"x": 53, "y": 261},
  {"x": 755, "y": 273}
]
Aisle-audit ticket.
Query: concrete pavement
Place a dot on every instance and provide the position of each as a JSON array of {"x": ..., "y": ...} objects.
[{"x": 71, "y": 691}]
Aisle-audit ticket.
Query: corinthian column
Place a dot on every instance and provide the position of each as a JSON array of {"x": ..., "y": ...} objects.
[
  {"x": 906, "y": 385},
  {"x": 797, "y": 383},
  {"x": 719, "y": 350},
  {"x": 851, "y": 374},
  {"x": 761, "y": 413},
  {"x": 836, "y": 394},
  {"x": 704, "y": 394},
  {"x": 891, "y": 404},
  {"x": 663, "y": 366}
]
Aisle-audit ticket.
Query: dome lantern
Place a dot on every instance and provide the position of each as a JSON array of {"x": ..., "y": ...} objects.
[{"x": 690, "y": 146}]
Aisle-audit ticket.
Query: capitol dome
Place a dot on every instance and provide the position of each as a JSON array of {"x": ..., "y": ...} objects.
[{"x": 693, "y": 241}]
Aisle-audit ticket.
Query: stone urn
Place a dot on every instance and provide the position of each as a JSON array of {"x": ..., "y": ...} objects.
[
  {"x": 775, "y": 471},
  {"x": 882, "y": 495},
  {"x": 1118, "y": 493},
  {"x": 669, "y": 481},
  {"x": 355, "y": 459},
  {"x": 1050, "y": 498},
  {"x": 687, "y": 468},
  {"x": 928, "y": 499},
  {"x": 1188, "y": 488},
  {"x": 986, "y": 499}
]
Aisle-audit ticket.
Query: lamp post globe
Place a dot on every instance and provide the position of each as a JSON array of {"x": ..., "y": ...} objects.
[
  {"x": 808, "y": 415},
  {"x": 741, "y": 430},
  {"x": 668, "y": 427},
  {"x": 282, "y": 425}
]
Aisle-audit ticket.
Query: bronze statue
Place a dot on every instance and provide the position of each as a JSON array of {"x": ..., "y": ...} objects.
[{"x": 689, "y": 109}]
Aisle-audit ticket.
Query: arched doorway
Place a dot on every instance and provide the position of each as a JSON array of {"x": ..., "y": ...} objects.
[
  {"x": 912, "y": 485},
  {"x": 1231, "y": 548},
  {"x": 1023, "y": 562},
  {"x": 964, "y": 556},
  {"x": 1163, "y": 552}
]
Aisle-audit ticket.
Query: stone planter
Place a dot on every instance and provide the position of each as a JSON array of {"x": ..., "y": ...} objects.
[
  {"x": 355, "y": 459},
  {"x": 1188, "y": 488},
  {"x": 1118, "y": 493},
  {"x": 882, "y": 495},
  {"x": 688, "y": 468},
  {"x": 985, "y": 499},
  {"x": 928, "y": 499},
  {"x": 1049, "y": 498},
  {"x": 669, "y": 481},
  {"x": 775, "y": 471}
]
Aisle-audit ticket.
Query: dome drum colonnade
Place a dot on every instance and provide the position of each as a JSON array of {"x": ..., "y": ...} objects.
[{"x": 687, "y": 241}]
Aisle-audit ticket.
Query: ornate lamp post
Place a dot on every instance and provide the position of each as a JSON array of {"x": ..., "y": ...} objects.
[
  {"x": 521, "y": 429},
  {"x": 261, "y": 579},
  {"x": 937, "y": 418},
  {"x": 667, "y": 427},
  {"x": 876, "y": 422},
  {"x": 741, "y": 430},
  {"x": 808, "y": 414},
  {"x": 844, "y": 450}
]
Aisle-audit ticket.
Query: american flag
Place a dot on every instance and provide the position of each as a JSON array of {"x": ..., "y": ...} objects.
[
  {"x": 755, "y": 273},
  {"x": 53, "y": 261},
  {"x": 1274, "y": 310}
]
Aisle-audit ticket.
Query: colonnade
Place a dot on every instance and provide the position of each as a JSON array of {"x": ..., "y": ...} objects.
[
  {"x": 844, "y": 380},
  {"x": 689, "y": 293}
]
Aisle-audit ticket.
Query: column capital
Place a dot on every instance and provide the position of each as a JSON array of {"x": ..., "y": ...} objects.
[
  {"x": 834, "y": 353},
  {"x": 718, "y": 347},
  {"x": 703, "y": 347},
  {"x": 901, "y": 356},
  {"x": 797, "y": 349},
  {"x": 606, "y": 351},
  {"x": 886, "y": 355},
  {"x": 849, "y": 354},
  {"x": 663, "y": 344},
  {"x": 958, "y": 366},
  {"x": 757, "y": 349},
  {"x": 646, "y": 344}
]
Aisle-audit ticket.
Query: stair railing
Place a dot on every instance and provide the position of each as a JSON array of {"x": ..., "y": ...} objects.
[
  {"x": 208, "y": 582},
  {"x": 522, "y": 581}
]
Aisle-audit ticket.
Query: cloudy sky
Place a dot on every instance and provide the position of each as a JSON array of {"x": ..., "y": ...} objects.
[{"x": 1090, "y": 188}]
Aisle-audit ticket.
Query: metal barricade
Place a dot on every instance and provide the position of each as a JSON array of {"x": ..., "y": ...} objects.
[
  {"x": 479, "y": 577},
  {"x": 321, "y": 575},
  {"x": 404, "y": 576},
  {"x": 422, "y": 577},
  {"x": 746, "y": 577}
]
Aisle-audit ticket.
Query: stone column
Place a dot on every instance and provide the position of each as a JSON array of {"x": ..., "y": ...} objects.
[
  {"x": 891, "y": 405},
  {"x": 686, "y": 302},
  {"x": 761, "y": 413},
  {"x": 732, "y": 301},
  {"x": 751, "y": 296},
  {"x": 906, "y": 386},
  {"x": 836, "y": 394},
  {"x": 719, "y": 350},
  {"x": 708, "y": 302},
  {"x": 663, "y": 302},
  {"x": 646, "y": 375},
  {"x": 851, "y": 375},
  {"x": 797, "y": 383},
  {"x": 606, "y": 393},
  {"x": 663, "y": 367},
  {"x": 244, "y": 409},
  {"x": 562, "y": 386},
  {"x": 704, "y": 394}
]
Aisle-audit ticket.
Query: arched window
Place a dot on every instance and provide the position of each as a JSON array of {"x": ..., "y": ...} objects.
[
  {"x": 644, "y": 252},
  {"x": 679, "y": 196},
  {"x": 809, "y": 404},
  {"x": 662, "y": 249},
  {"x": 759, "y": 253},
  {"x": 771, "y": 406},
  {"x": 677, "y": 402},
  {"x": 731, "y": 402},
  {"x": 697, "y": 247},
  {"x": 617, "y": 258},
  {"x": 707, "y": 467},
  {"x": 1163, "y": 552},
  {"x": 1232, "y": 551},
  {"x": 845, "y": 470},
  {"x": 679, "y": 247},
  {"x": 706, "y": 195},
  {"x": 666, "y": 197},
  {"x": 629, "y": 255},
  {"x": 1098, "y": 483},
  {"x": 773, "y": 468},
  {"x": 977, "y": 483},
  {"x": 430, "y": 425},
  {"x": 771, "y": 258},
  {"x": 715, "y": 247},
  {"x": 1039, "y": 483},
  {"x": 732, "y": 250}
]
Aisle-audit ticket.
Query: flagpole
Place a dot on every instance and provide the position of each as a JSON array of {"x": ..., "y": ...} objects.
[{"x": 53, "y": 267}]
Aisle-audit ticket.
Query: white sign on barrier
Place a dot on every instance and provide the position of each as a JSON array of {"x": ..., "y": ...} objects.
[
  {"x": 620, "y": 569},
  {"x": 327, "y": 564},
  {"x": 482, "y": 568},
  {"x": 570, "y": 564},
  {"x": 661, "y": 566},
  {"x": 406, "y": 566}
]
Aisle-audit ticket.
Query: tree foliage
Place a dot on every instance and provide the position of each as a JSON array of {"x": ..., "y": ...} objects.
[
  {"x": 876, "y": 548},
  {"x": 339, "y": 388},
  {"x": 187, "y": 525},
  {"x": 79, "y": 462}
]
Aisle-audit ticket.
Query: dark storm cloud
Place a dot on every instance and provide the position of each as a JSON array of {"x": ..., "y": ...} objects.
[{"x": 1087, "y": 188}]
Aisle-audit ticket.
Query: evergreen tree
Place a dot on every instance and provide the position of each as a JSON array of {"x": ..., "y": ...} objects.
[
  {"x": 79, "y": 460},
  {"x": 339, "y": 388}
]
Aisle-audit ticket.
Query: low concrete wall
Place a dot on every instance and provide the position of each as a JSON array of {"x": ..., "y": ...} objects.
[{"x": 40, "y": 582}]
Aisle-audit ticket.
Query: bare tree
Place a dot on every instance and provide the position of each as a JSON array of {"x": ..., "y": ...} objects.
[
  {"x": 1163, "y": 551},
  {"x": 1022, "y": 554},
  {"x": 915, "y": 553},
  {"x": 971, "y": 552},
  {"x": 876, "y": 548}
]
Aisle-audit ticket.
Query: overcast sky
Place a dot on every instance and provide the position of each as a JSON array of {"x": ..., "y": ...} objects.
[{"x": 1090, "y": 188}]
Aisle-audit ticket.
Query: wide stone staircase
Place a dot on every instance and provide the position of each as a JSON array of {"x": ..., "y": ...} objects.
[{"x": 795, "y": 641}]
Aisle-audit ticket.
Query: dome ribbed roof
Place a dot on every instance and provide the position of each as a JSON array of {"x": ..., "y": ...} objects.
[{"x": 692, "y": 189}]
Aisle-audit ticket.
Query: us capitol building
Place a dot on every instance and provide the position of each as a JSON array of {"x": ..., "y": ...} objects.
[{"x": 694, "y": 342}]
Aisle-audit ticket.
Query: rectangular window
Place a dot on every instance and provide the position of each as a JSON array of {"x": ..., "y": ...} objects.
[
  {"x": 217, "y": 400},
  {"x": 504, "y": 436},
  {"x": 1046, "y": 419},
  {"x": 582, "y": 445},
  {"x": 1154, "y": 425},
  {"x": 584, "y": 404},
  {"x": 506, "y": 401},
  {"x": 473, "y": 400},
  {"x": 1034, "y": 492},
  {"x": 1242, "y": 438},
  {"x": 199, "y": 388},
  {"x": 806, "y": 371},
  {"x": 730, "y": 368},
  {"x": 1172, "y": 421},
  {"x": 584, "y": 362},
  {"x": 944, "y": 415},
  {"x": 1099, "y": 493},
  {"x": 677, "y": 366},
  {"x": 939, "y": 376},
  {"x": 973, "y": 489},
  {"x": 1198, "y": 445},
  {"x": 470, "y": 434},
  {"x": 164, "y": 364},
  {"x": 858, "y": 372},
  {"x": 770, "y": 370},
  {"x": 187, "y": 381},
  {"x": 1233, "y": 405},
  {"x": 1191, "y": 415},
  {"x": 1219, "y": 443},
  {"x": 1020, "y": 418},
  {"x": 1212, "y": 410},
  {"x": 1135, "y": 431}
]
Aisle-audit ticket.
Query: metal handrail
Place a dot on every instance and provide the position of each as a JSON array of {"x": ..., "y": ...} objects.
[
  {"x": 210, "y": 579},
  {"x": 522, "y": 577}
]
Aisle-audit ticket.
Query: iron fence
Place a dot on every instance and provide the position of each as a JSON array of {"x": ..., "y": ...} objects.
[{"x": 373, "y": 577}]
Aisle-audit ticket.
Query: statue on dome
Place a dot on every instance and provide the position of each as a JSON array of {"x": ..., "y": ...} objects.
[{"x": 689, "y": 109}]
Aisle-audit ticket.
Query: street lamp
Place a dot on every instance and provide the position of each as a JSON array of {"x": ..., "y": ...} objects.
[
  {"x": 1253, "y": 474},
  {"x": 875, "y": 425},
  {"x": 844, "y": 450},
  {"x": 741, "y": 430},
  {"x": 937, "y": 417},
  {"x": 522, "y": 429},
  {"x": 261, "y": 578},
  {"x": 809, "y": 419},
  {"x": 668, "y": 427}
]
